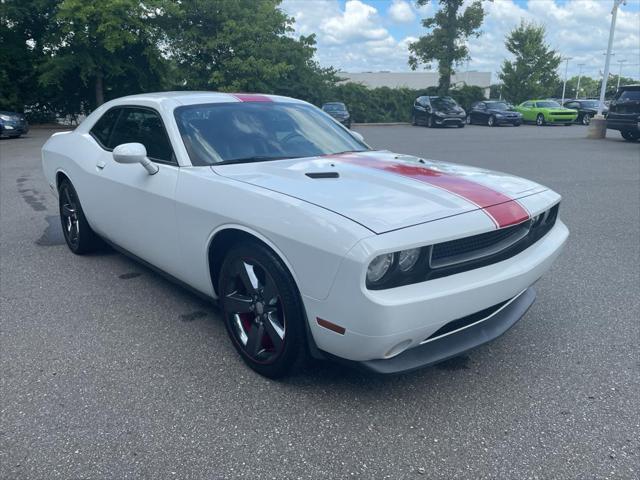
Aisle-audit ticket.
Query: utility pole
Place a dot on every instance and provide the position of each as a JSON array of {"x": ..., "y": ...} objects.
[
  {"x": 619, "y": 73},
  {"x": 580, "y": 65},
  {"x": 598, "y": 125},
  {"x": 564, "y": 84},
  {"x": 607, "y": 62}
]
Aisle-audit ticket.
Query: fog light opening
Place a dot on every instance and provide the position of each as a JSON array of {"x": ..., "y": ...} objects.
[{"x": 398, "y": 349}]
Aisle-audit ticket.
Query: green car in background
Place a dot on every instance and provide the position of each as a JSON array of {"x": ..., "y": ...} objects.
[{"x": 543, "y": 112}]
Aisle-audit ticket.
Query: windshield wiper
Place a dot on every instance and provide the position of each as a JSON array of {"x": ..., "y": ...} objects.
[{"x": 251, "y": 160}]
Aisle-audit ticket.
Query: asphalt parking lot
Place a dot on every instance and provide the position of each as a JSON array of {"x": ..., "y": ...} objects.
[{"x": 110, "y": 372}]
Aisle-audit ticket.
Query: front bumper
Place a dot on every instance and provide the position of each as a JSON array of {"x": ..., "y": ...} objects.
[
  {"x": 508, "y": 120},
  {"x": 561, "y": 118},
  {"x": 628, "y": 124},
  {"x": 448, "y": 120},
  {"x": 447, "y": 346},
  {"x": 382, "y": 324}
]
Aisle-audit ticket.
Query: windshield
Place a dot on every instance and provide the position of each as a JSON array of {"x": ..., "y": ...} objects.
[
  {"x": 498, "y": 106},
  {"x": 245, "y": 132},
  {"x": 334, "y": 107},
  {"x": 548, "y": 104},
  {"x": 443, "y": 102}
]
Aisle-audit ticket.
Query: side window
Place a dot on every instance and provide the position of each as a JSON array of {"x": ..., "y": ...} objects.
[
  {"x": 572, "y": 105},
  {"x": 143, "y": 126},
  {"x": 102, "y": 129},
  {"x": 528, "y": 104},
  {"x": 481, "y": 106}
]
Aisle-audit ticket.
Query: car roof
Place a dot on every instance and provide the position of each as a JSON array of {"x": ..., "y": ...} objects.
[
  {"x": 168, "y": 101},
  {"x": 198, "y": 97}
]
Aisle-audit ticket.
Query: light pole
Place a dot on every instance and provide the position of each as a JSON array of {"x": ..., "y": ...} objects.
[
  {"x": 598, "y": 125},
  {"x": 564, "y": 84},
  {"x": 619, "y": 73},
  {"x": 580, "y": 65}
]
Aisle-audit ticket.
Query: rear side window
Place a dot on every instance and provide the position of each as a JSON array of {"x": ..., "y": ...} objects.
[
  {"x": 144, "y": 126},
  {"x": 101, "y": 131},
  {"x": 630, "y": 95}
]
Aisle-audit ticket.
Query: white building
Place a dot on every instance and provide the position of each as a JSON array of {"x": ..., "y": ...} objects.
[{"x": 417, "y": 80}]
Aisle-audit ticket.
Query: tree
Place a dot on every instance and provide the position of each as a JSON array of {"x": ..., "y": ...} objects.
[
  {"x": 23, "y": 26},
  {"x": 244, "y": 45},
  {"x": 448, "y": 30},
  {"x": 533, "y": 72},
  {"x": 110, "y": 45}
]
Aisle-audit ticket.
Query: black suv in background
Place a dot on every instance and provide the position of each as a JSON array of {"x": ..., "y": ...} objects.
[
  {"x": 338, "y": 110},
  {"x": 624, "y": 112},
  {"x": 586, "y": 108},
  {"x": 437, "y": 111},
  {"x": 13, "y": 124},
  {"x": 493, "y": 113}
]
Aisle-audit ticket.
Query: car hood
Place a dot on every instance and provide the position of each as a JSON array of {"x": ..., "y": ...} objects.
[{"x": 384, "y": 191}]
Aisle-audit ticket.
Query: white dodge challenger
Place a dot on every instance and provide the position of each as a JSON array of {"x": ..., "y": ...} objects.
[{"x": 311, "y": 242}]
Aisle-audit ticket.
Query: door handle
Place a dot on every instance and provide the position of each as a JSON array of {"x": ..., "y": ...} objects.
[{"x": 100, "y": 165}]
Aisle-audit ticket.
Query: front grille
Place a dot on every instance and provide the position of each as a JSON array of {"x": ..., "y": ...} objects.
[
  {"x": 484, "y": 249},
  {"x": 558, "y": 114},
  {"x": 463, "y": 254},
  {"x": 465, "y": 249}
]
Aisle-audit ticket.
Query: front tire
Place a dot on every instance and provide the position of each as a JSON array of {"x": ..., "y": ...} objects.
[
  {"x": 78, "y": 234},
  {"x": 491, "y": 121},
  {"x": 262, "y": 310},
  {"x": 468, "y": 120},
  {"x": 430, "y": 123},
  {"x": 540, "y": 120}
]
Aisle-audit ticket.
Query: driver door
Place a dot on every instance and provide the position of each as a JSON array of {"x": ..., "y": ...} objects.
[{"x": 136, "y": 210}]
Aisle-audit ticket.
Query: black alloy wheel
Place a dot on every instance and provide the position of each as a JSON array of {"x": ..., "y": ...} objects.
[
  {"x": 262, "y": 310},
  {"x": 586, "y": 119},
  {"x": 78, "y": 234},
  {"x": 630, "y": 136},
  {"x": 540, "y": 120},
  {"x": 491, "y": 121},
  {"x": 468, "y": 120}
]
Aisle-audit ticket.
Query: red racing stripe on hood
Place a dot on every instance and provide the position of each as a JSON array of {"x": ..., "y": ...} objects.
[
  {"x": 251, "y": 97},
  {"x": 502, "y": 209}
]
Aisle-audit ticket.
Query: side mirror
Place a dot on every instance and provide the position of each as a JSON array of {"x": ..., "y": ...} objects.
[
  {"x": 134, "y": 153},
  {"x": 357, "y": 135}
]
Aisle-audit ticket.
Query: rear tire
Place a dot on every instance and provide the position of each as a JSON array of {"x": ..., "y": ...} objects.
[
  {"x": 630, "y": 136},
  {"x": 262, "y": 310},
  {"x": 540, "y": 120},
  {"x": 78, "y": 234},
  {"x": 586, "y": 119}
]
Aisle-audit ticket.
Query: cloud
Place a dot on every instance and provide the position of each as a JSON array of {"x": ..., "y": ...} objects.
[
  {"x": 367, "y": 35},
  {"x": 401, "y": 12}
]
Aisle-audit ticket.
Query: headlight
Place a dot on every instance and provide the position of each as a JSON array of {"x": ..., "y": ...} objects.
[
  {"x": 6, "y": 118},
  {"x": 439, "y": 114},
  {"x": 379, "y": 267},
  {"x": 407, "y": 259}
]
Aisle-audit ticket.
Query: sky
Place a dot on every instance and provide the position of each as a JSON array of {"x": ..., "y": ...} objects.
[{"x": 372, "y": 35}]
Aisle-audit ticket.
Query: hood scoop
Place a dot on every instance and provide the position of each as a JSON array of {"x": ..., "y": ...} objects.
[{"x": 319, "y": 175}]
